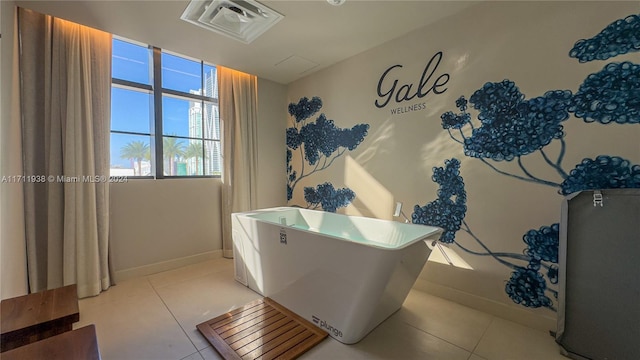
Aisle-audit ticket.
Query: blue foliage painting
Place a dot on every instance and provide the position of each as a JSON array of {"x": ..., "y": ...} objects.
[
  {"x": 320, "y": 143},
  {"x": 612, "y": 95},
  {"x": 449, "y": 209},
  {"x": 527, "y": 285},
  {"x": 620, "y": 37},
  {"x": 327, "y": 197},
  {"x": 510, "y": 127}
]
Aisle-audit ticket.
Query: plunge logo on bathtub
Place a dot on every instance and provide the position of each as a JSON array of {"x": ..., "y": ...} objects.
[{"x": 323, "y": 324}]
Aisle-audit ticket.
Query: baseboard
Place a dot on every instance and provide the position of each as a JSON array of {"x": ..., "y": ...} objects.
[
  {"x": 521, "y": 316},
  {"x": 121, "y": 275}
]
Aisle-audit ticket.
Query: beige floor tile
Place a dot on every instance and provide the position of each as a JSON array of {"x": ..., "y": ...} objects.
[
  {"x": 210, "y": 354},
  {"x": 508, "y": 340},
  {"x": 190, "y": 272},
  {"x": 455, "y": 323},
  {"x": 194, "y": 356},
  {"x": 393, "y": 339},
  {"x": 476, "y": 357},
  {"x": 333, "y": 349},
  {"x": 200, "y": 299},
  {"x": 139, "y": 327},
  {"x": 121, "y": 291}
]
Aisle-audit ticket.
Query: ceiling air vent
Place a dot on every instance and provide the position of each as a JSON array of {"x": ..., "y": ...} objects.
[{"x": 242, "y": 20}]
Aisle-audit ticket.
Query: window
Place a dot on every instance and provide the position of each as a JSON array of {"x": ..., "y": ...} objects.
[{"x": 164, "y": 114}]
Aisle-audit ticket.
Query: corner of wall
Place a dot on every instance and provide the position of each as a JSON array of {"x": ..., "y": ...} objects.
[{"x": 272, "y": 118}]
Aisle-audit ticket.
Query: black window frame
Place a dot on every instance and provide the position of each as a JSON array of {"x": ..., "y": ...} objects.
[{"x": 156, "y": 116}]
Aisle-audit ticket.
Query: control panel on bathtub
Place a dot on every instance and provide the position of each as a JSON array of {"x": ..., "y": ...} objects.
[{"x": 283, "y": 237}]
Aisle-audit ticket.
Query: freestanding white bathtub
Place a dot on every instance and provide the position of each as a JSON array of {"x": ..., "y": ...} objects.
[{"x": 346, "y": 274}]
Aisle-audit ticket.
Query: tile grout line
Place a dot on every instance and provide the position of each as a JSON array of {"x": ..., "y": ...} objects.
[
  {"x": 493, "y": 317},
  {"x": 155, "y": 290},
  {"x": 437, "y": 337},
  {"x": 181, "y": 281},
  {"x": 175, "y": 319}
]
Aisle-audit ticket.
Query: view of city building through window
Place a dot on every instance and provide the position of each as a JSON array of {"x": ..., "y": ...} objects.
[
  {"x": 210, "y": 129},
  {"x": 167, "y": 125}
]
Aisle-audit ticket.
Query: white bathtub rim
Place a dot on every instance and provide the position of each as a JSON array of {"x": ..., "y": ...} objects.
[{"x": 427, "y": 238}]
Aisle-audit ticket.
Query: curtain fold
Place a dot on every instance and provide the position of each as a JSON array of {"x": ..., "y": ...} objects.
[
  {"x": 238, "y": 96},
  {"x": 65, "y": 73}
]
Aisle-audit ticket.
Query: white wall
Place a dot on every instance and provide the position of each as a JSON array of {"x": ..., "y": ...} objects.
[
  {"x": 13, "y": 271},
  {"x": 272, "y": 119},
  {"x": 161, "y": 224}
]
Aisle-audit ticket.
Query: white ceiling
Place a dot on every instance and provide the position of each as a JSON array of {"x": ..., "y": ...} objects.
[{"x": 313, "y": 34}]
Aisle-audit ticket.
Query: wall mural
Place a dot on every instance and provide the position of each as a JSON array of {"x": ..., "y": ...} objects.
[
  {"x": 504, "y": 126},
  {"x": 320, "y": 143},
  {"x": 510, "y": 127}
]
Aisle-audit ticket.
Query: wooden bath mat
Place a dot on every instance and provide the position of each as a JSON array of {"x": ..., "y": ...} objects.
[{"x": 262, "y": 329}]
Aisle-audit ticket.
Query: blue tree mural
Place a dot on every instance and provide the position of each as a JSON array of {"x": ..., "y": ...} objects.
[
  {"x": 611, "y": 95},
  {"x": 449, "y": 209},
  {"x": 510, "y": 127},
  {"x": 618, "y": 38},
  {"x": 320, "y": 143},
  {"x": 327, "y": 197},
  {"x": 527, "y": 285}
]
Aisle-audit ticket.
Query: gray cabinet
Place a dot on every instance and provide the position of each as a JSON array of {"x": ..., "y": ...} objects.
[{"x": 599, "y": 279}]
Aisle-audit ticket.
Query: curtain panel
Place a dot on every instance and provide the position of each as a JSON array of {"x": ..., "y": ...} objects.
[
  {"x": 65, "y": 73},
  {"x": 238, "y": 96}
]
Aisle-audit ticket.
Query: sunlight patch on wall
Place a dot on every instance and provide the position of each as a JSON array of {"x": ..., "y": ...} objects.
[
  {"x": 380, "y": 142},
  {"x": 461, "y": 62},
  {"x": 372, "y": 197},
  {"x": 445, "y": 255},
  {"x": 440, "y": 148},
  {"x": 353, "y": 210}
]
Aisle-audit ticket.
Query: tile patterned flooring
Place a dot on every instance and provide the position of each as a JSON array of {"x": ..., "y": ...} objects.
[{"x": 155, "y": 317}]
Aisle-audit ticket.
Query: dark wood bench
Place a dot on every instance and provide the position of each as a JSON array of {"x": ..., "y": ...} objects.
[
  {"x": 79, "y": 344},
  {"x": 29, "y": 318}
]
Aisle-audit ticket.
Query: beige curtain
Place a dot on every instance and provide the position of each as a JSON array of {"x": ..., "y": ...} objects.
[
  {"x": 238, "y": 94},
  {"x": 65, "y": 73}
]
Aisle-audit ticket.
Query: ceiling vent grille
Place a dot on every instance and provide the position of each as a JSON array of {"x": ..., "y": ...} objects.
[{"x": 243, "y": 20}]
